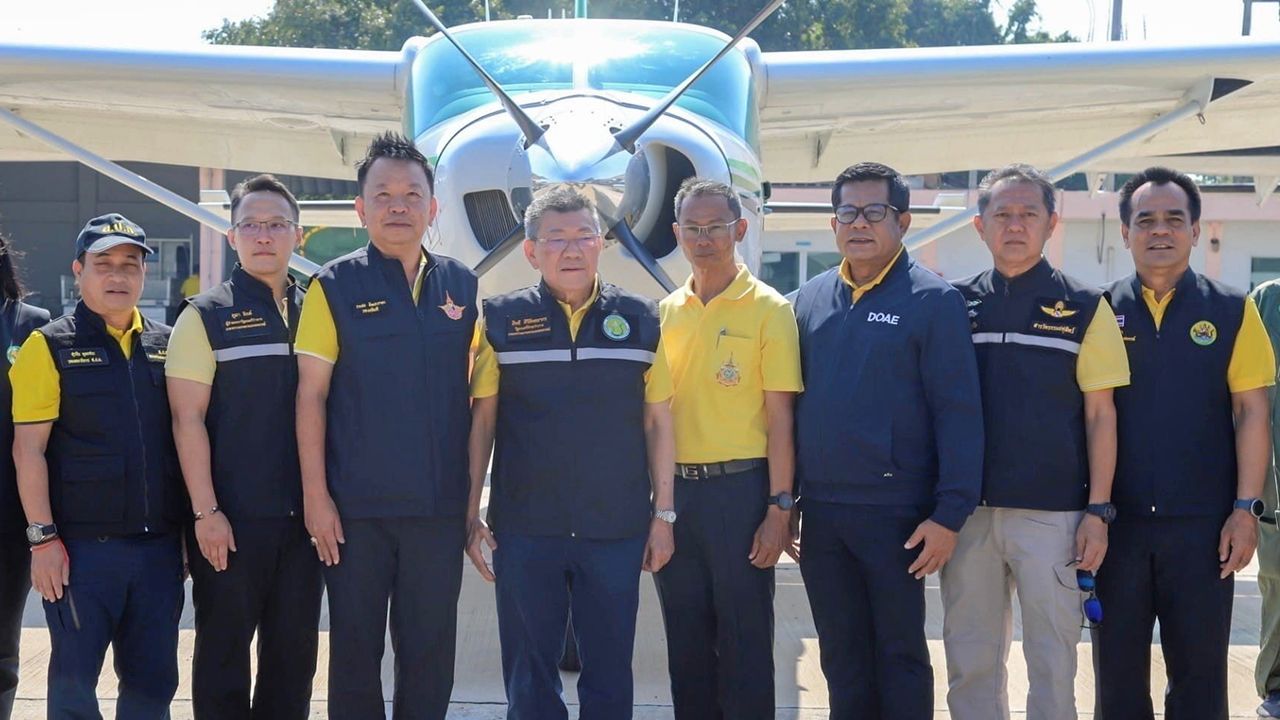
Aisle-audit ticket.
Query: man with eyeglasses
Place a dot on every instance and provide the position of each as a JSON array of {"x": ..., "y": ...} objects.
[
  {"x": 572, "y": 389},
  {"x": 232, "y": 378},
  {"x": 889, "y": 449},
  {"x": 384, "y": 351},
  {"x": 1194, "y": 443},
  {"x": 731, "y": 343},
  {"x": 1049, "y": 357}
]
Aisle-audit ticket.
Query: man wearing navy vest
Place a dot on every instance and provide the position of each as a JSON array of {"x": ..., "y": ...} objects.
[
  {"x": 100, "y": 485},
  {"x": 384, "y": 348},
  {"x": 1194, "y": 443},
  {"x": 232, "y": 379},
  {"x": 889, "y": 449},
  {"x": 1049, "y": 356},
  {"x": 571, "y": 383}
]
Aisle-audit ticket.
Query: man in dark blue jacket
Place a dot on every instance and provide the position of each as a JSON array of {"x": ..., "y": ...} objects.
[{"x": 889, "y": 449}]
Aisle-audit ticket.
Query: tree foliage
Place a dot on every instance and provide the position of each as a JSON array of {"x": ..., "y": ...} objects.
[{"x": 797, "y": 25}]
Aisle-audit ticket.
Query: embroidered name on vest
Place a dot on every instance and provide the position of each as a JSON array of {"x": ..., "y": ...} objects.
[
  {"x": 242, "y": 320},
  {"x": 530, "y": 326},
  {"x": 370, "y": 307},
  {"x": 1060, "y": 329},
  {"x": 82, "y": 357}
]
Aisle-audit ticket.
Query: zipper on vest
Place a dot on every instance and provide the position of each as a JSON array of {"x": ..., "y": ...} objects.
[{"x": 137, "y": 413}]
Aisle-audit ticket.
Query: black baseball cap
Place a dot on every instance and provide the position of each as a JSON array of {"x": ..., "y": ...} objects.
[{"x": 107, "y": 231}]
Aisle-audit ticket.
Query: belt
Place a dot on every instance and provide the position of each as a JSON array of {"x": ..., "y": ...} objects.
[{"x": 710, "y": 470}]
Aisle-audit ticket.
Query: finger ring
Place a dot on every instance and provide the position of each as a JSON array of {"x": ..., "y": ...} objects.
[{"x": 313, "y": 542}]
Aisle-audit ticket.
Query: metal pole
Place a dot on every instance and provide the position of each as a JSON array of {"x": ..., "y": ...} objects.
[
  {"x": 1248, "y": 17},
  {"x": 955, "y": 222},
  {"x": 580, "y": 8},
  {"x": 675, "y": 14},
  {"x": 1117, "y": 16},
  {"x": 134, "y": 181}
]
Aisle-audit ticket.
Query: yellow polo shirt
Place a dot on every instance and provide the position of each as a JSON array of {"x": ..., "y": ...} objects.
[
  {"x": 1253, "y": 362},
  {"x": 190, "y": 354},
  {"x": 317, "y": 335},
  {"x": 37, "y": 392},
  {"x": 846, "y": 274},
  {"x": 485, "y": 374},
  {"x": 723, "y": 356}
]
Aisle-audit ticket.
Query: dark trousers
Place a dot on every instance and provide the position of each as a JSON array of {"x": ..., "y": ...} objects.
[
  {"x": 15, "y": 582},
  {"x": 538, "y": 580},
  {"x": 716, "y": 606},
  {"x": 415, "y": 564},
  {"x": 1166, "y": 569},
  {"x": 125, "y": 593},
  {"x": 271, "y": 586},
  {"x": 868, "y": 610}
]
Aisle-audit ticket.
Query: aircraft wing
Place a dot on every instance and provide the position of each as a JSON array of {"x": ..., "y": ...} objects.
[
  {"x": 948, "y": 109},
  {"x": 296, "y": 111}
]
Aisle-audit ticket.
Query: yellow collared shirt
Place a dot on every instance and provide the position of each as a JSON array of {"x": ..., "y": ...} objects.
[
  {"x": 846, "y": 274},
  {"x": 485, "y": 374},
  {"x": 37, "y": 391},
  {"x": 1103, "y": 362},
  {"x": 724, "y": 356},
  {"x": 1253, "y": 362}
]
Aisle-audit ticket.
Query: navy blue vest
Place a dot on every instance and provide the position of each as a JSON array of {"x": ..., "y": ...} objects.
[
  {"x": 113, "y": 469},
  {"x": 399, "y": 411},
  {"x": 17, "y": 320},
  {"x": 251, "y": 404},
  {"x": 570, "y": 455},
  {"x": 1027, "y": 334},
  {"x": 1177, "y": 449}
]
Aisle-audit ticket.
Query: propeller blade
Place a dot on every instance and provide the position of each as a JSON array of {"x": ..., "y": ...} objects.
[
  {"x": 627, "y": 137},
  {"x": 531, "y": 129},
  {"x": 501, "y": 250},
  {"x": 642, "y": 255}
]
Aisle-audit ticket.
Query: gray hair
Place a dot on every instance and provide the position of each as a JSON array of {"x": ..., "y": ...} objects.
[
  {"x": 560, "y": 199},
  {"x": 1017, "y": 172},
  {"x": 699, "y": 187}
]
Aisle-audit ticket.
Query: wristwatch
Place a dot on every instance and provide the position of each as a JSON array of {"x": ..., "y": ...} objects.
[
  {"x": 1105, "y": 511},
  {"x": 38, "y": 534},
  {"x": 1254, "y": 505},
  {"x": 783, "y": 500},
  {"x": 666, "y": 516}
]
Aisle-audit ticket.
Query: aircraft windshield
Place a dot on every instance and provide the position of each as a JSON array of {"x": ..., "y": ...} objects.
[{"x": 528, "y": 55}]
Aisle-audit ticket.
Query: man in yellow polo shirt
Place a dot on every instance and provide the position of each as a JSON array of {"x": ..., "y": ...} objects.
[
  {"x": 1194, "y": 445},
  {"x": 572, "y": 384},
  {"x": 732, "y": 345}
]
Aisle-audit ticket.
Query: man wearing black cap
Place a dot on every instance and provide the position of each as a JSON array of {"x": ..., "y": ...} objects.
[{"x": 99, "y": 482}]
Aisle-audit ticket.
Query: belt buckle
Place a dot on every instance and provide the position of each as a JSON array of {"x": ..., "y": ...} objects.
[{"x": 693, "y": 472}]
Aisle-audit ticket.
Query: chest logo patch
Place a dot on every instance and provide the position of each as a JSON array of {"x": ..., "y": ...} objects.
[
  {"x": 1058, "y": 310},
  {"x": 616, "y": 327},
  {"x": 886, "y": 318},
  {"x": 1204, "y": 333},
  {"x": 728, "y": 374},
  {"x": 1120, "y": 321},
  {"x": 450, "y": 310}
]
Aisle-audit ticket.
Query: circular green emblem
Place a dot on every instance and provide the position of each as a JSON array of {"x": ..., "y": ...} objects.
[
  {"x": 616, "y": 327},
  {"x": 1204, "y": 333},
  {"x": 12, "y": 353}
]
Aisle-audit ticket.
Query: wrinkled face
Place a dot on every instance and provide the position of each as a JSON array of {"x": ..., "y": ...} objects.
[
  {"x": 1160, "y": 233},
  {"x": 708, "y": 232},
  {"x": 863, "y": 241},
  {"x": 110, "y": 281},
  {"x": 265, "y": 233},
  {"x": 396, "y": 205},
  {"x": 1016, "y": 224},
  {"x": 566, "y": 251}
]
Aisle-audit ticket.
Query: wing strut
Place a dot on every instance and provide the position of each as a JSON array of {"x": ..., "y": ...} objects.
[
  {"x": 133, "y": 180},
  {"x": 1194, "y": 102}
]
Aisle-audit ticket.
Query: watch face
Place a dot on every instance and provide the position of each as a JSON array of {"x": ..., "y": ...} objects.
[
  {"x": 784, "y": 501},
  {"x": 34, "y": 533},
  {"x": 1257, "y": 508}
]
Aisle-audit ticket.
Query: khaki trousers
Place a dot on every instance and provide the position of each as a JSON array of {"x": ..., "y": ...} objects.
[{"x": 998, "y": 549}]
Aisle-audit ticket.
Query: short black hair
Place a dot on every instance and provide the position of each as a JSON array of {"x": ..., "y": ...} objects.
[
  {"x": 556, "y": 198},
  {"x": 262, "y": 183},
  {"x": 393, "y": 146},
  {"x": 1159, "y": 176},
  {"x": 1017, "y": 172},
  {"x": 702, "y": 187},
  {"x": 899, "y": 193}
]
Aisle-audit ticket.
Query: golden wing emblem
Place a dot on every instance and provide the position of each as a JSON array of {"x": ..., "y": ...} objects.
[{"x": 1059, "y": 310}]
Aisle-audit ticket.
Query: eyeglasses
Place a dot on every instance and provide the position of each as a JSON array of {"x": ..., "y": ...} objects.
[
  {"x": 257, "y": 227},
  {"x": 874, "y": 213},
  {"x": 1092, "y": 606},
  {"x": 562, "y": 244},
  {"x": 715, "y": 231}
]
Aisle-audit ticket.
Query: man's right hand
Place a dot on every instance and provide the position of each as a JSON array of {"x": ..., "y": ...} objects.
[
  {"x": 478, "y": 534},
  {"x": 50, "y": 569},
  {"x": 213, "y": 534},
  {"x": 325, "y": 527}
]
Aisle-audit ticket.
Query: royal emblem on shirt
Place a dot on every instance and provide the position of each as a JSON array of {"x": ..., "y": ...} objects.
[
  {"x": 450, "y": 310},
  {"x": 1058, "y": 310},
  {"x": 616, "y": 327},
  {"x": 728, "y": 374},
  {"x": 1204, "y": 333}
]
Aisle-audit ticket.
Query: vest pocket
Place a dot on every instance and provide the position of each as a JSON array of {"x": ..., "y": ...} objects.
[{"x": 93, "y": 489}]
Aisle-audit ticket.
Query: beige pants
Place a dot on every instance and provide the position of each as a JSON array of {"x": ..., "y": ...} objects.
[{"x": 1000, "y": 548}]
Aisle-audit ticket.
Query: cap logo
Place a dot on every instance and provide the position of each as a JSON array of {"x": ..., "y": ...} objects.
[{"x": 118, "y": 228}]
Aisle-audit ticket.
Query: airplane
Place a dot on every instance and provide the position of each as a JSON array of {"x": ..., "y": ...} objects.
[{"x": 628, "y": 109}]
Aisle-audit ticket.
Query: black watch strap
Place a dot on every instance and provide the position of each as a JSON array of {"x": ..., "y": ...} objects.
[{"x": 1104, "y": 511}]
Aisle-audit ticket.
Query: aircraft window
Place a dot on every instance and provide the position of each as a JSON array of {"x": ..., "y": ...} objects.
[{"x": 781, "y": 270}]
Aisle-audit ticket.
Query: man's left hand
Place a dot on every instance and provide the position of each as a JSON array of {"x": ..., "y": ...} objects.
[
  {"x": 772, "y": 538},
  {"x": 1238, "y": 540},
  {"x": 939, "y": 543},
  {"x": 1091, "y": 543},
  {"x": 660, "y": 547}
]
